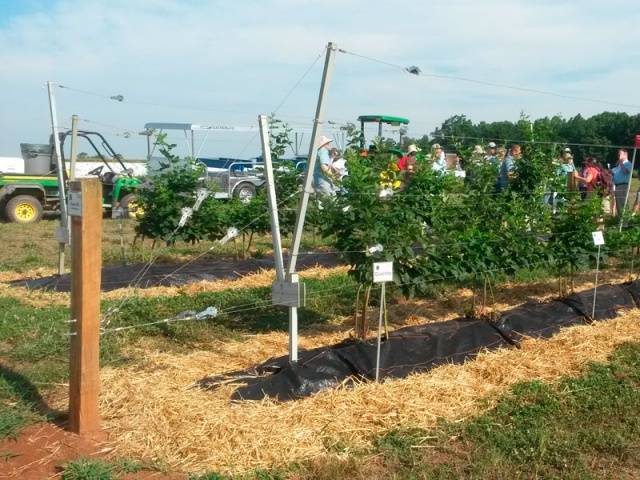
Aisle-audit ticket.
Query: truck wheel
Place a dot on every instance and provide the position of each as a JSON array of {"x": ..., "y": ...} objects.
[
  {"x": 130, "y": 206},
  {"x": 245, "y": 192},
  {"x": 23, "y": 209}
]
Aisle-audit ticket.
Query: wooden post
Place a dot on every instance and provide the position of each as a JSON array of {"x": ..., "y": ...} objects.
[{"x": 85, "y": 210}]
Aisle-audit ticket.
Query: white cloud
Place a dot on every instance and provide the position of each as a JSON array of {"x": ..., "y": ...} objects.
[{"x": 240, "y": 58}]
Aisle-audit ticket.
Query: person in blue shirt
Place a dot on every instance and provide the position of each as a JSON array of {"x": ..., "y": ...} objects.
[
  {"x": 621, "y": 178},
  {"x": 507, "y": 168},
  {"x": 322, "y": 178}
]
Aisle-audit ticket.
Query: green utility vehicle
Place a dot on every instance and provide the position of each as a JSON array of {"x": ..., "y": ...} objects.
[
  {"x": 382, "y": 120},
  {"x": 25, "y": 197}
]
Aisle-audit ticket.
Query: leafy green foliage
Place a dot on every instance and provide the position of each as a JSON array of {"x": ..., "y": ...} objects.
[
  {"x": 439, "y": 227},
  {"x": 170, "y": 190}
]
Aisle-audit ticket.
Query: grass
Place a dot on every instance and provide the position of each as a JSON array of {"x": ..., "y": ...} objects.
[
  {"x": 27, "y": 247},
  {"x": 96, "y": 469},
  {"x": 578, "y": 428},
  {"x": 87, "y": 469}
]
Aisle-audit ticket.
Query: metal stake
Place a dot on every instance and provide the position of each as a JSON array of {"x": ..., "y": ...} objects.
[
  {"x": 595, "y": 287},
  {"x": 382, "y": 302},
  {"x": 74, "y": 147},
  {"x": 271, "y": 196},
  {"x": 64, "y": 221},
  {"x": 306, "y": 191}
]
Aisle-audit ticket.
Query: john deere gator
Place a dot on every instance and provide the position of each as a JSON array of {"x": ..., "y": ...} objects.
[{"x": 25, "y": 197}]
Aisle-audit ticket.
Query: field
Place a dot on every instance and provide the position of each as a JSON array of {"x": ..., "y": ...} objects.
[{"x": 566, "y": 406}]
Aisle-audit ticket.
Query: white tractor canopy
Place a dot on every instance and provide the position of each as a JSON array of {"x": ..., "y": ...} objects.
[{"x": 190, "y": 129}]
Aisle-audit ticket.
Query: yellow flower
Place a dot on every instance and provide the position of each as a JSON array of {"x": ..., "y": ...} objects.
[
  {"x": 397, "y": 183},
  {"x": 394, "y": 167},
  {"x": 383, "y": 175}
]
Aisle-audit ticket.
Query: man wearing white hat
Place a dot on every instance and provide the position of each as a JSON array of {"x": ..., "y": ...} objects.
[
  {"x": 491, "y": 156},
  {"x": 322, "y": 172}
]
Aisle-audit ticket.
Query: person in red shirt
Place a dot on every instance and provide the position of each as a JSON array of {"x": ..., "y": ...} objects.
[
  {"x": 588, "y": 177},
  {"x": 408, "y": 162}
]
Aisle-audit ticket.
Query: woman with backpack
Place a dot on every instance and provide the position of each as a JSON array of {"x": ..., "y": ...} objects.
[{"x": 588, "y": 178}]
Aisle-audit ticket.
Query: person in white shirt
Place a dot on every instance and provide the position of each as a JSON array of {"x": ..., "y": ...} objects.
[
  {"x": 338, "y": 164},
  {"x": 439, "y": 158}
]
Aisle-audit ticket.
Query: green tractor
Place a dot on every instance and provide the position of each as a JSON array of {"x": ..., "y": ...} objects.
[
  {"x": 382, "y": 120},
  {"x": 25, "y": 197}
]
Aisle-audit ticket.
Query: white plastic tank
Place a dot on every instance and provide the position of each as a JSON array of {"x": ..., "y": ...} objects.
[{"x": 37, "y": 158}]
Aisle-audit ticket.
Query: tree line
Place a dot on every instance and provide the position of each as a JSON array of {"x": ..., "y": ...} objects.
[{"x": 459, "y": 133}]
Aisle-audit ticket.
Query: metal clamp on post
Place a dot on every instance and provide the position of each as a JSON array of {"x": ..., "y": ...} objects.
[{"x": 289, "y": 293}]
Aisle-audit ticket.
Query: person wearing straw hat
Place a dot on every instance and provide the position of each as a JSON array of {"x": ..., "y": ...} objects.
[
  {"x": 408, "y": 161},
  {"x": 322, "y": 174}
]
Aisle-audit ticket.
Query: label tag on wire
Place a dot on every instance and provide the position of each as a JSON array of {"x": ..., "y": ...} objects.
[
  {"x": 186, "y": 215},
  {"x": 232, "y": 232},
  {"x": 201, "y": 195}
]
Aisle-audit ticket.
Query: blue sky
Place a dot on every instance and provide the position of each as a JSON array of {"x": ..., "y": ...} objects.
[{"x": 224, "y": 62}]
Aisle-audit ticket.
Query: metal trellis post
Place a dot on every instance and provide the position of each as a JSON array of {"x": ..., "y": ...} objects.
[
  {"x": 292, "y": 277},
  {"x": 271, "y": 197},
  {"x": 64, "y": 221}
]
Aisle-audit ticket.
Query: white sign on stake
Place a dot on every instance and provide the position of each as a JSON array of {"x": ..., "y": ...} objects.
[
  {"x": 74, "y": 204},
  {"x": 598, "y": 238},
  {"x": 382, "y": 272}
]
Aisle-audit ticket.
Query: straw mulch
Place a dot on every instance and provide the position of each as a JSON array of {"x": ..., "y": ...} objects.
[
  {"x": 262, "y": 278},
  {"x": 151, "y": 412}
]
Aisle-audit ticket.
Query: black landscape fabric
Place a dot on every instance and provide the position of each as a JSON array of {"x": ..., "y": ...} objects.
[
  {"x": 537, "y": 320},
  {"x": 609, "y": 299},
  {"x": 175, "y": 274},
  {"x": 420, "y": 348}
]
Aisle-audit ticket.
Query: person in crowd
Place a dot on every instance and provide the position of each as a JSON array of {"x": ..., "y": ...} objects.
[
  {"x": 501, "y": 154},
  {"x": 439, "y": 159},
  {"x": 492, "y": 154},
  {"x": 477, "y": 155},
  {"x": 564, "y": 169},
  {"x": 588, "y": 178},
  {"x": 322, "y": 174},
  {"x": 621, "y": 178},
  {"x": 408, "y": 162},
  {"x": 636, "y": 204},
  {"x": 338, "y": 164},
  {"x": 508, "y": 166}
]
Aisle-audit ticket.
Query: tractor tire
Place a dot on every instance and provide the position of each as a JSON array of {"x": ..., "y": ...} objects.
[
  {"x": 245, "y": 192},
  {"x": 130, "y": 206},
  {"x": 23, "y": 209}
]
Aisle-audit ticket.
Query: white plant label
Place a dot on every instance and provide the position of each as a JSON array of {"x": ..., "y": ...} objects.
[
  {"x": 598, "y": 238},
  {"x": 74, "y": 204},
  {"x": 382, "y": 272}
]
